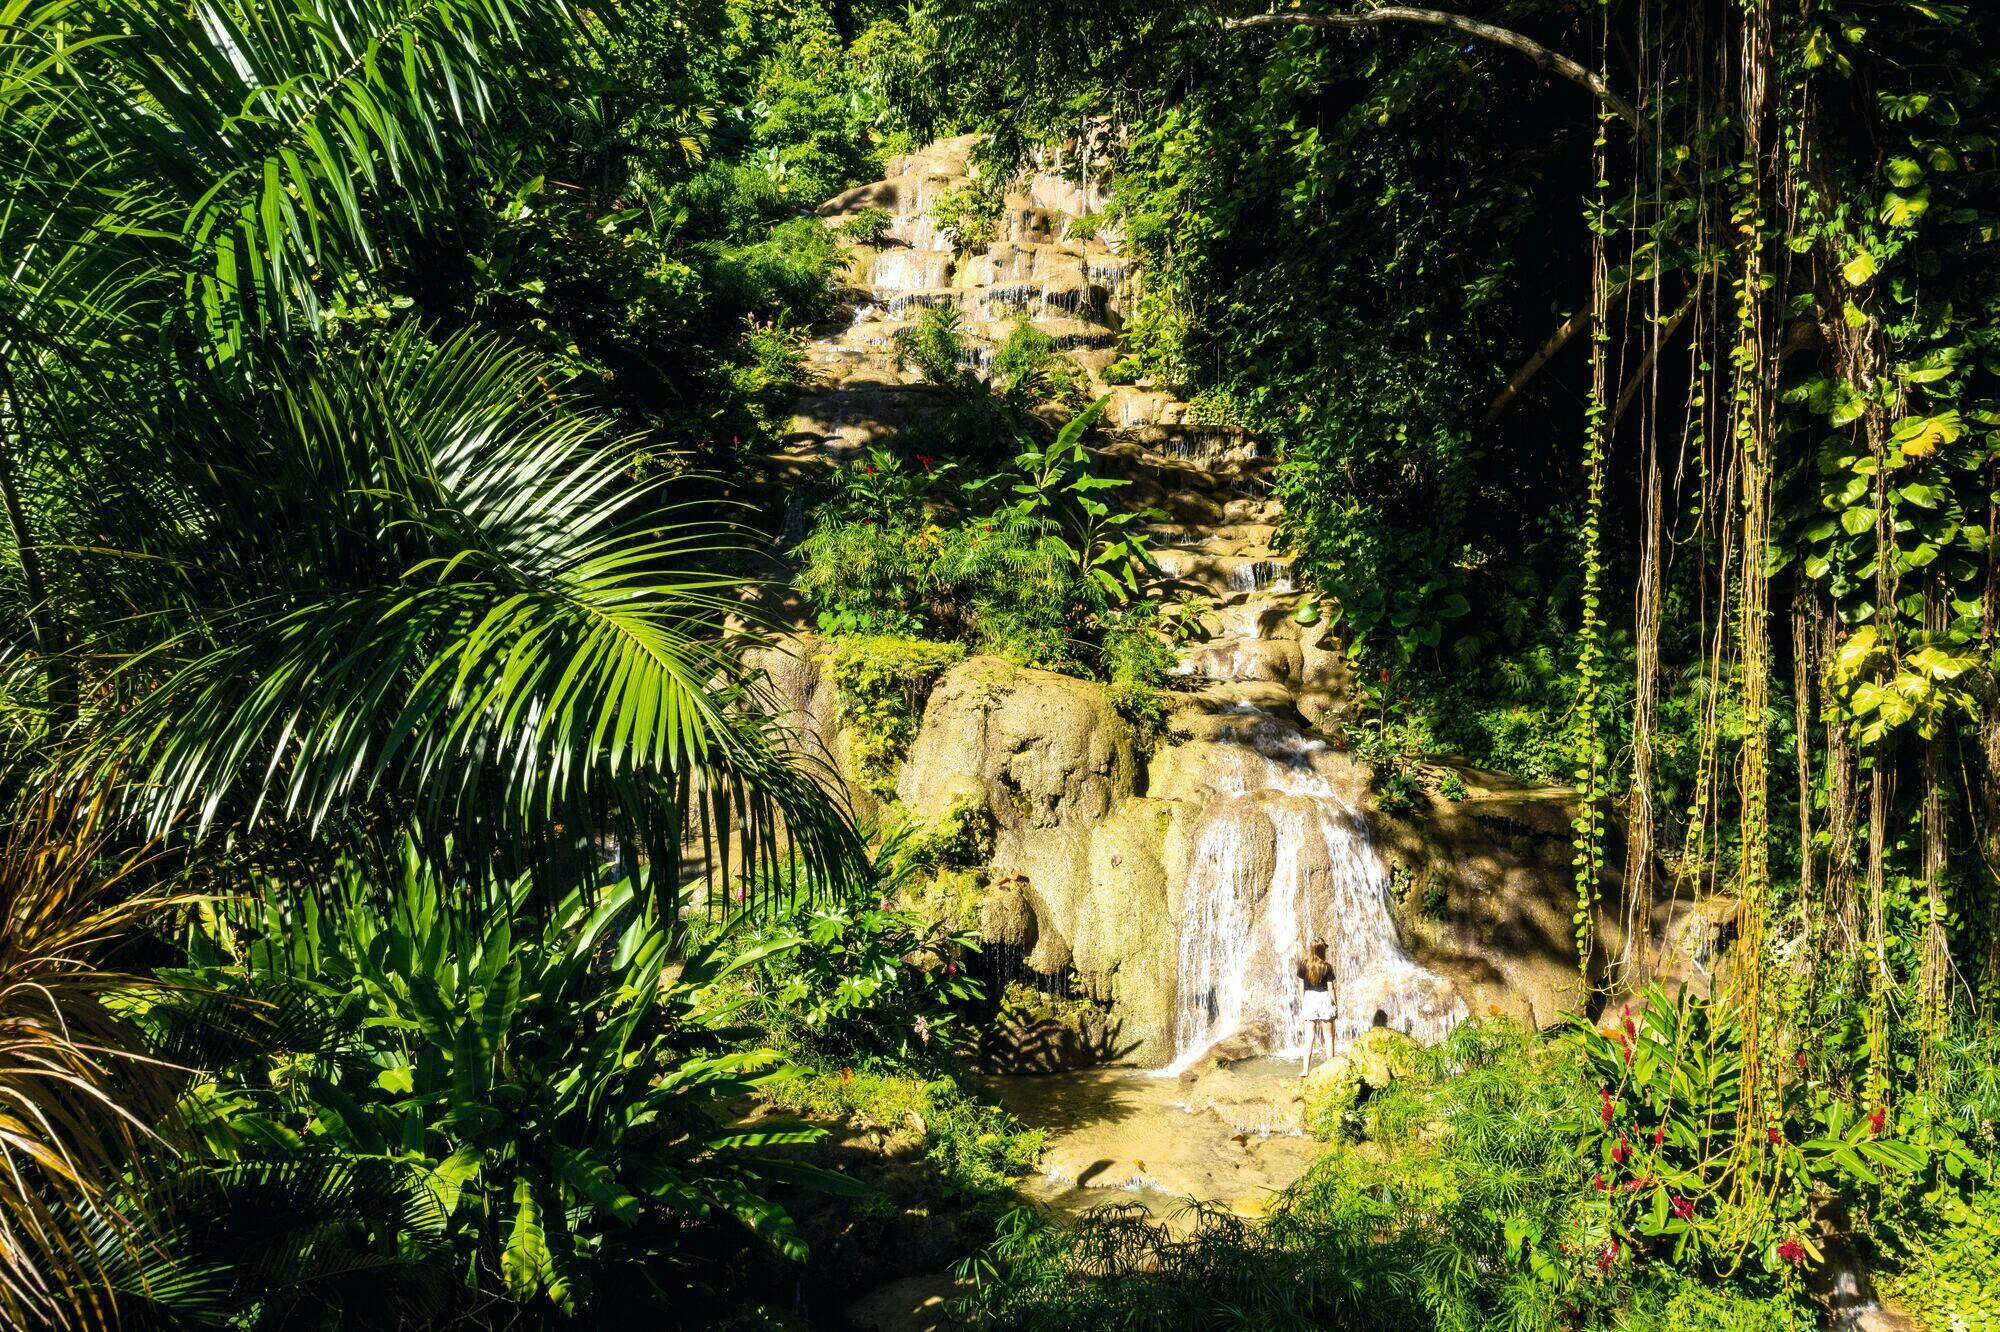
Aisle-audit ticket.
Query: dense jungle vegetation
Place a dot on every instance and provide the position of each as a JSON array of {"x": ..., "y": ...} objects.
[{"x": 413, "y": 917}]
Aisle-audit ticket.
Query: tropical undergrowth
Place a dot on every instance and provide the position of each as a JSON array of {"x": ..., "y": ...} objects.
[
  {"x": 1505, "y": 1179},
  {"x": 976, "y": 530}
]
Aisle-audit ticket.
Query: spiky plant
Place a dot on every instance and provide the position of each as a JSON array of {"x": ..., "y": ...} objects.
[{"x": 78, "y": 1094}]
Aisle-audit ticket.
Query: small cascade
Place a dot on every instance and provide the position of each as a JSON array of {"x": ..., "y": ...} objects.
[
  {"x": 908, "y": 304},
  {"x": 1202, "y": 447},
  {"x": 1261, "y": 576},
  {"x": 1279, "y": 860},
  {"x": 910, "y": 270}
]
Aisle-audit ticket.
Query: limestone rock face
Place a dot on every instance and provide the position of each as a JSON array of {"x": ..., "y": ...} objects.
[
  {"x": 1048, "y": 751},
  {"x": 1054, "y": 764},
  {"x": 800, "y": 694}
]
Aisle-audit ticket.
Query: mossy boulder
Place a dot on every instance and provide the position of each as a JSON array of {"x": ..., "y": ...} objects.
[{"x": 1336, "y": 1089}]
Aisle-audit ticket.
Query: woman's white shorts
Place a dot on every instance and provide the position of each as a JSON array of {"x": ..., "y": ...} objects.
[{"x": 1319, "y": 1005}]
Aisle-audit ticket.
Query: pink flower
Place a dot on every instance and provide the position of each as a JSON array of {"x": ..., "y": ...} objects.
[
  {"x": 1791, "y": 1250},
  {"x": 1683, "y": 1208},
  {"x": 922, "y": 1027},
  {"x": 950, "y": 969},
  {"x": 882, "y": 905}
]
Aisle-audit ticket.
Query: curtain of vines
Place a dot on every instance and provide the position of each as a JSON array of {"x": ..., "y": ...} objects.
[{"x": 1810, "y": 214}]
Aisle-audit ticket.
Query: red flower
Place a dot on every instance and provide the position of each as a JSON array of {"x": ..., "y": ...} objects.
[
  {"x": 1876, "y": 1120},
  {"x": 1683, "y": 1208},
  {"x": 1607, "y": 1255},
  {"x": 1605, "y": 1112},
  {"x": 1621, "y": 1151},
  {"x": 869, "y": 468},
  {"x": 1791, "y": 1250},
  {"x": 1773, "y": 1136},
  {"x": 1641, "y": 1182},
  {"x": 1597, "y": 1182},
  {"x": 1383, "y": 676},
  {"x": 1801, "y": 1057},
  {"x": 1660, "y": 1133}
]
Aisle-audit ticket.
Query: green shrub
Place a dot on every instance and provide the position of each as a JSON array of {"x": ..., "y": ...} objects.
[
  {"x": 969, "y": 213},
  {"x": 852, "y": 981},
  {"x": 961, "y": 838},
  {"x": 1028, "y": 368},
  {"x": 880, "y": 683},
  {"x": 1124, "y": 370},
  {"x": 788, "y": 271},
  {"x": 935, "y": 345},
  {"x": 1665, "y": 1134},
  {"x": 1468, "y": 1209},
  {"x": 870, "y": 226},
  {"x": 979, "y": 1150},
  {"x": 1137, "y": 659},
  {"x": 1949, "y": 1276}
]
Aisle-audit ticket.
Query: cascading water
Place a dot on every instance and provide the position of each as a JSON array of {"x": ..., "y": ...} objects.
[{"x": 1279, "y": 860}]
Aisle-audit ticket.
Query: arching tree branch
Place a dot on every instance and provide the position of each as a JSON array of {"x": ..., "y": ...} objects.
[{"x": 1544, "y": 59}]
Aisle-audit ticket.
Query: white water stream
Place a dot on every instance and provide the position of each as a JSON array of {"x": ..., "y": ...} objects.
[{"x": 1279, "y": 859}]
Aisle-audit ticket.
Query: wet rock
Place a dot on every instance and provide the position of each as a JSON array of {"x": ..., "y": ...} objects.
[{"x": 1005, "y": 916}]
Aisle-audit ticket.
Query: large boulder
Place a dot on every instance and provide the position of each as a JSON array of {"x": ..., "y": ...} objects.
[{"x": 1050, "y": 751}]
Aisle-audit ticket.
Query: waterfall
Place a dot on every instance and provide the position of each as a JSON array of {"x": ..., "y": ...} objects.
[
  {"x": 1261, "y": 576},
  {"x": 1278, "y": 860}
]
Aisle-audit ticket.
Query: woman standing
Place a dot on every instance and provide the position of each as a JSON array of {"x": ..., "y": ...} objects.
[{"x": 1316, "y": 974}]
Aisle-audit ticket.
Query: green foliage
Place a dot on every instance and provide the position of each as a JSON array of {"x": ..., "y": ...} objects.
[
  {"x": 851, "y": 982},
  {"x": 1137, "y": 658},
  {"x": 880, "y": 683},
  {"x": 979, "y": 1150},
  {"x": 550, "y": 1102},
  {"x": 870, "y": 226},
  {"x": 1948, "y": 1278},
  {"x": 961, "y": 838},
  {"x": 1124, "y": 370},
  {"x": 1667, "y": 1133},
  {"x": 968, "y": 214},
  {"x": 1057, "y": 493},
  {"x": 1029, "y": 369},
  {"x": 1025, "y": 561},
  {"x": 1479, "y": 1215},
  {"x": 936, "y": 346}
]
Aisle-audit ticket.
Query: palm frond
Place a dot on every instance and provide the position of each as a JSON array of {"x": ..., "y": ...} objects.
[
  {"x": 429, "y": 579},
  {"x": 269, "y": 134}
]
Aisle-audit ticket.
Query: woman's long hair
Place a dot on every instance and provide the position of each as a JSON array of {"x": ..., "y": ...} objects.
[{"x": 1314, "y": 967}]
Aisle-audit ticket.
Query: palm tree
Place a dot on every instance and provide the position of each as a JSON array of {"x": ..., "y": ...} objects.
[
  {"x": 264, "y": 580},
  {"x": 304, "y": 572}
]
